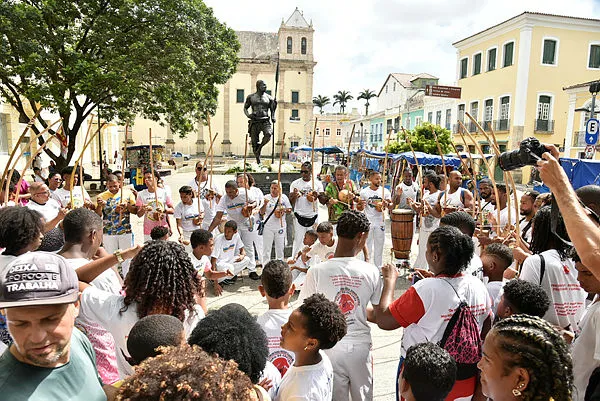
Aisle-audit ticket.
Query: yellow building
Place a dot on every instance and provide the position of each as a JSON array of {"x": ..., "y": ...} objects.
[
  {"x": 512, "y": 75},
  {"x": 258, "y": 61},
  {"x": 579, "y": 108}
]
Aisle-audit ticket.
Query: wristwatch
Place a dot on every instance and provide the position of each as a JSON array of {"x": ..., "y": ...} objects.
[{"x": 119, "y": 256}]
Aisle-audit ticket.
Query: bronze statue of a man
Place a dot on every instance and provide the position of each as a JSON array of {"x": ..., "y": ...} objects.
[{"x": 259, "y": 120}]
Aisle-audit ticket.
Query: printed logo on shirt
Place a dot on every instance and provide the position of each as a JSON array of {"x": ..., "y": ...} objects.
[
  {"x": 347, "y": 300},
  {"x": 282, "y": 361},
  {"x": 228, "y": 248},
  {"x": 235, "y": 206},
  {"x": 329, "y": 255}
]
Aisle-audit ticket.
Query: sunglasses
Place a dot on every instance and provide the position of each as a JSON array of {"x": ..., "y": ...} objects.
[{"x": 201, "y": 168}]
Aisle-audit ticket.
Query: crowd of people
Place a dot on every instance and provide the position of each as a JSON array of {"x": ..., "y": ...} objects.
[{"x": 493, "y": 312}]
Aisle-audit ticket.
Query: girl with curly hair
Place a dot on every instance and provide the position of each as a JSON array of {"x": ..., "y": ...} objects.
[
  {"x": 526, "y": 359},
  {"x": 161, "y": 280}
]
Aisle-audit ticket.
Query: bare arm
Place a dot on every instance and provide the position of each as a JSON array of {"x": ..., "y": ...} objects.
[
  {"x": 385, "y": 320},
  {"x": 215, "y": 221},
  {"x": 90, "y": 271},
  {"x": 468, "y": 200}
]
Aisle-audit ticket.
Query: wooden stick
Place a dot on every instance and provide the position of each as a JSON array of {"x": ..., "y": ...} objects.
[
  {"x": 123, "y": 167},
  {"x": 16, "y": 161},
  {"x": 152, "y": 168},
  {"x": 245, "y": 177},
  {"x": 384, "y": 175},
  {"x": 421, "y": 178},
  {"x": 14, "y": 151},
  {"x": 491, "y": 176},
  {"x": 279, "y": 176},
  {"x": 30, "y": 162},
  {"x": 79, "y": 160},
  {"x": 312, "y": 162},
  {"x": 464, "y": 164},
  {"x": 350, "y": 143},
  {"x": 480, "y": 212},
  {"x": 439, "y": 147}
]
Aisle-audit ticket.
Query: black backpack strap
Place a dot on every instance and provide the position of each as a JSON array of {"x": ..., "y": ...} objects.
[{"x": 542, "y": 268}]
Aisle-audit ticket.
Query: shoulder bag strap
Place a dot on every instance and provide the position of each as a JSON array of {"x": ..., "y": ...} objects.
[
  {"x": 542, "y": 268},
  {"x": 272, "y": 211}
]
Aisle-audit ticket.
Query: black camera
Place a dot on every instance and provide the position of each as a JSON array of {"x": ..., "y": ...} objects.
[{"x": 530, "y": 151}]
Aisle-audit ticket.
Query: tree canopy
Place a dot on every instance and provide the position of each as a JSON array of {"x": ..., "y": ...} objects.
[
  {"x": 160, "y": 59},
  {"x": 367, "y": 95},
  {"x": 423, "y": 140},
  {"x": 341, "y": 98},
  {"x": 320, "y": 102}
]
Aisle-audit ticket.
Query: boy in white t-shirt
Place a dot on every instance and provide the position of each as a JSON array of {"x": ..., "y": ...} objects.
[
  {"x": 63, "y": 195},
  {"x": 496, "y": 258},
  {"x": 297, "y": 266},
  {"x": 229, "y": 254},
  {"x": 276, "y": 285},
  {"x": 317, "y": 324},
  {"x": 324, "y": 248},
  {"x": 586, "y": 346},
  {"x": 188, "y": 215},
  {"x": 352, "y": 284}
]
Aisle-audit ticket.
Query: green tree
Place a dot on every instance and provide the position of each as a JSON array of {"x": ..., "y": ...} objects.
[
  {"x": 320, "y": 102},
  {"x": 423, "y": 140},
  {"x": 341, "y": 98},
  {"x": 160, "y": 59},
  {"x": 366, "y": 95}
]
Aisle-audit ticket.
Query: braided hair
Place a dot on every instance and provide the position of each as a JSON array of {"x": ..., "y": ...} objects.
[
  {"x": 161, "y": 279},
  {"x": 533, "y": 344},
  {"x": 542, "y": 237},
  {"x": 454, "y": 245}
]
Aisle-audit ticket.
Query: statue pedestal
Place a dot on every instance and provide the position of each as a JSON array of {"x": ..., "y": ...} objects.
[{"x": 226, "y": 148}]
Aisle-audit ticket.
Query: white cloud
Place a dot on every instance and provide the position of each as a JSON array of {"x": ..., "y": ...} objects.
[{"x": 357, "y": 43}]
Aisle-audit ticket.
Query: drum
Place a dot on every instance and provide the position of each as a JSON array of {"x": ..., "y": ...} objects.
[{"x": 402, "y": 232}]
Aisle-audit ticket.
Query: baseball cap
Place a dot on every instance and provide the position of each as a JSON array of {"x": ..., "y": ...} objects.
[{"x": 38, "y": 278}]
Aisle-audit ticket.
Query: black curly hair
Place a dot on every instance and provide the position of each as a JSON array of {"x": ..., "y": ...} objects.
[
  {"x": 151, "y": 332},
  {"x": 324, "y": 320},
  {"x": 161, "y": 279},
  {"x": 430, "y": 370},
  {"x": 461, "y": 220},
  {"x": 233, "y": 333},
  {"x": 525, "y": 297},
  {"x": 456, "y": 247},
  {"x": 158, "y": 232},
  {"x": 276, "y": 278},
  {"x": 434, "y": 179},
  {"x": 78, "y": 223},
  {"x": 501, "y": 252},
  {"x": 542, "y": 237},
  {"x": 351, "y": 223},
  {"x": 532, "y": 343},
  {"x": 186, "y": 373},
  {"x": 19, "y": 228}
]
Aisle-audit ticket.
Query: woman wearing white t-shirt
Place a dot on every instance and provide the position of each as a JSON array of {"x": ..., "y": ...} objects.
[
  {"x": 276, "y": 206},
  {"x": 161, "y": 280},
  {"x": 550, "y": 267},
  {"x": 425, "y": 309}
]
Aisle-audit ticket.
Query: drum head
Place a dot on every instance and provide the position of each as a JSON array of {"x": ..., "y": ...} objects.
[{"x": 402, "y": 211}]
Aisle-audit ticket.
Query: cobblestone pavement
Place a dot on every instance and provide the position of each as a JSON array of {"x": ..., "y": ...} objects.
[{"x": 386, "y": 344}]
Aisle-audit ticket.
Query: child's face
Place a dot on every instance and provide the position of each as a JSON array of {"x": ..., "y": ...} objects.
[
  {"x": 185, "y": 198},
  {"x": 206, "y": 249},
  {"x": 309, "y": 240},
  {"x": 325, "y": 238},
  {"x": 293, "y": 333},
  {"x": 229, "y": 233},
  {"x": 586, "y": 279}
]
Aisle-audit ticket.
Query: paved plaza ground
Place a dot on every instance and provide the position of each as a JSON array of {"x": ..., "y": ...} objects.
[{"x": 386, "y": 344}]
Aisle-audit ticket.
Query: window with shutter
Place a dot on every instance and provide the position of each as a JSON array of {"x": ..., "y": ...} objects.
[
  {"x": 549, "y": 55},
  {"x": 594, "y": 61},
  {"x": 508, "y": 54}
]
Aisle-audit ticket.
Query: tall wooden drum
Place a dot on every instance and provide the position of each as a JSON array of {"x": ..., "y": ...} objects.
[{"x": 402, "y": 232}]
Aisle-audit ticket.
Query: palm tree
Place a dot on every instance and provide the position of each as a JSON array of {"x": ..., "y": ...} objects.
[
  {"x": 367, "y": 95},
  {"x": 321, "y": 101},
  {"x": 342, "y": 97}
]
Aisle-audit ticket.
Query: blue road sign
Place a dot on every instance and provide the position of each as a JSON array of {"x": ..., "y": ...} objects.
[{"x": 592, "y": 127}]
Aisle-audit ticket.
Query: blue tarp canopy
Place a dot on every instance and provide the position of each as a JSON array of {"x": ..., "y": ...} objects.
[
  {"x": 425, "y": 159},
  {"x": 580, "y": 173},
  {"x": 328, "y": 150},
  {"x": 371, "y": 153}
]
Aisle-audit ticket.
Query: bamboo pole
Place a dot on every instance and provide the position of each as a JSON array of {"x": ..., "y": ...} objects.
[
  {"x": 279, "y": 177},
  {"x": 16, "y": 161},
  {"x": 350, "y": 143},
  {"x": 464, "y": 164},
  {"x": 421, "y": 179},
  {"x": 384, "y": 175},
  {"x": 30, "y": 162},
  {"x": 439, "y": 147},
  {"x": 491, "y": 176},
  {"x": 154, "y": 183},
  {"x": 14, "y": 151},
  {"x": 312, "y": 161},
  {"x": 470, "y": 156},
  {"x": 87, "y": 141},
  {"x": 123, "y": 167},
  {"x": 245, "y": 177}
]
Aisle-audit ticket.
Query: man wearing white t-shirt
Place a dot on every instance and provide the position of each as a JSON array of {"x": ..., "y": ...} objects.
[
  {"x": 304, "y": 201},
  {"x": 188, "y": 216},
  {"x": 373, "y": 206},
  {"x": 246, "y": 183},
  {"x": 228, "y": 254},
  {"x": 352, "y": 284},
  {"x": 239, "y": 209},
  {"x": 50, "y": 209},
  {"x": 208, "y": 193},
  {"x": 405, "y": 190}
]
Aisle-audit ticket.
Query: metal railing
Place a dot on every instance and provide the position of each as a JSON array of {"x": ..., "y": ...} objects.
[{"x": 544, "y": 126}]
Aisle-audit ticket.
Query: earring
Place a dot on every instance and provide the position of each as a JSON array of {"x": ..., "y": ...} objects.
[
  {"x": 306, "y": 348},
  {"x": 516, "y": 392}
]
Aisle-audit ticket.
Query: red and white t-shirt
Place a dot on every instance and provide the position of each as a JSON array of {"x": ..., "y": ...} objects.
[
  {"x": 351, "y": 283},
  {"x": 567, "y": 299},
  {"x": 426, "y": 308},
  {"x": 271, "y": 322}
]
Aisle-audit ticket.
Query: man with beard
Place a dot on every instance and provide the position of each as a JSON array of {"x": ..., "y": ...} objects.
[
  {"x": 487, "y": 194},
  {"x": 47, "y": 360},
  {"x": 527, "y": 211}
]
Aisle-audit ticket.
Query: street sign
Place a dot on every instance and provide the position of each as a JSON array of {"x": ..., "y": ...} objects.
[
  {"x": 591, "y": 131},
  {"x": 590, "y": 150},
  {"x": 443, "y": 91}
]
